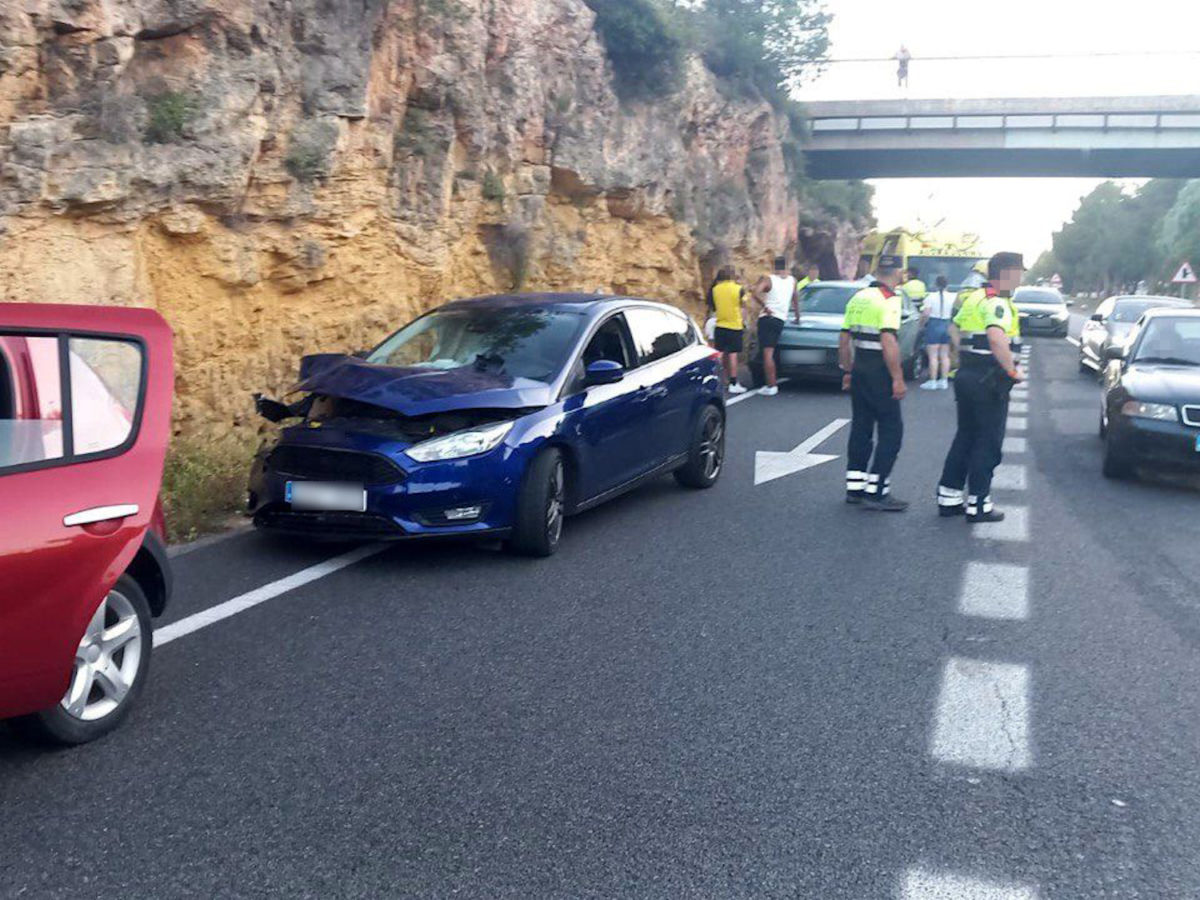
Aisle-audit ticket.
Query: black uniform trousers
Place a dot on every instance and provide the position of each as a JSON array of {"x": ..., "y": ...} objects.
[
  {"x": 873, "y": 408},
  {"x": 981, "y": 391}
]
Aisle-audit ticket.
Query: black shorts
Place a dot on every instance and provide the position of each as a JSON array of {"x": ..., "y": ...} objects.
[
  {"x": 728, "y": 340},
  {"x": 769, "y": 330}
]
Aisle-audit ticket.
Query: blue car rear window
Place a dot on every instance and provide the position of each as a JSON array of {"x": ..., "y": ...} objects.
[{"x": 525, "y": 342}]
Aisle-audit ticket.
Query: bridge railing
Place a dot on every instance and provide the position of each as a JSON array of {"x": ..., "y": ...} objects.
[{"x": 1050, "y": 121}]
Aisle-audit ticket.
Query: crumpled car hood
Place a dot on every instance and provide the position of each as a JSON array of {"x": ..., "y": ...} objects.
[{"x": 418, "y": 392}]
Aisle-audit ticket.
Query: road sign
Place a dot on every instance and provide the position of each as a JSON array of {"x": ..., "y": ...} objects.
[
  {"x": 770, "y": 465},
  {"x": 1056, "y": 281},
  {"x": 1185, "y": 275}
]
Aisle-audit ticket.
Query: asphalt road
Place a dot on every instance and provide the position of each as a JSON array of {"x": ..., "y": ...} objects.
[{"x": 754, "y": 691}]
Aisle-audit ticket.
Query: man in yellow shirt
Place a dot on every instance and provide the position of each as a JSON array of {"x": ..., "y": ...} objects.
[{"x": 728, "y": 300}]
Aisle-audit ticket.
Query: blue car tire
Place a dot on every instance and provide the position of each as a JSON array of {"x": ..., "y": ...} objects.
[
  {"x": 706, "y": 453},
  {"x": 541, "y": 506}
]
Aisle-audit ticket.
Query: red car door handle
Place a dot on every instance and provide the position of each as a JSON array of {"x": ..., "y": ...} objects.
[{"x": 100, "y": 514}]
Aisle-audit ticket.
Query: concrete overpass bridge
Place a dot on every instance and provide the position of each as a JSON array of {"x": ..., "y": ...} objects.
[{"x": 1119, "y": 137}]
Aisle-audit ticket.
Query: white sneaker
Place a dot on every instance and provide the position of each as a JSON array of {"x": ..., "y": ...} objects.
[
  {"x": 736, "y": 388},
  {"x": 768, "y": 391},
  {"x": 930, "y": 385},
  {"x": 944, "y": 384}
]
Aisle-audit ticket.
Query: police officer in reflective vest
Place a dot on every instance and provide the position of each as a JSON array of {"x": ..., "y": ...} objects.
[
  {"x": 869, "y": 353},
  {"x": 987, "y": 334}
]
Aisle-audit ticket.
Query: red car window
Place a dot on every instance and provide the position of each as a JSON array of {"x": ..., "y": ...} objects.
[
  {"x": 31, "y": 410},
  {"x": 106, "y": 377}
]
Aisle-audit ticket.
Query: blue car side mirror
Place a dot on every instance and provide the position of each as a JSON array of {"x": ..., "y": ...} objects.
[{"x": 604, "y": 371}]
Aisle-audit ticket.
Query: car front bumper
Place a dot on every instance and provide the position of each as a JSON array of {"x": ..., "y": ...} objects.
[
  {"x": 1044, "y": 325},
  {"x": 1168, "y": 444},
  {"x": 412, "y": 506}
]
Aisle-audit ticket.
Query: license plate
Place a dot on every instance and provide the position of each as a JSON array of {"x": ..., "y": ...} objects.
[
  {"x": 804, "y": 357},
  {"x": 325, "y": 495}
]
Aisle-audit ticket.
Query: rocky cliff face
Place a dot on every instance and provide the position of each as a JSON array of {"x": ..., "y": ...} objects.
[{"x": 284, "y": 176}]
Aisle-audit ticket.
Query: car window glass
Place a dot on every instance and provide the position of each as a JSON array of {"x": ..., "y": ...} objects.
[
  {"x": 607, "y": 343},
  {"x": 657, "y": 334},
  {"x": 827, "y": 299},
  {"x": 1104, "y": 310},
  {"x": 106, "y": 379},
  {"x": 518, "y": 341},
  {"x": 31, "y": 410},
  {"x": 1174, "y": 340}
]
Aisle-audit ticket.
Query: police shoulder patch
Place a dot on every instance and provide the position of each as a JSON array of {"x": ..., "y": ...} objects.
[{"x": 1001, "y": 311}]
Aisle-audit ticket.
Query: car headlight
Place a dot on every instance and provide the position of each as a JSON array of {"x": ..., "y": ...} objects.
[
  {"x": 1061, "y": 316},
  {"x": 1163, "y": 412},
  {"x": 470, "y": 442}
]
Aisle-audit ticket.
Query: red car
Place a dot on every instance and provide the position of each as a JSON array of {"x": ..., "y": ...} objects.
[{"x": 85, "y": 408}]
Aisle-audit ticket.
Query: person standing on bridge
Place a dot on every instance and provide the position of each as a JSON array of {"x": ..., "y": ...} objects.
[
  {"x": 776, "y": 296},
  {"x": 989, "y": 340},
  {"x": 902, "y": 58},
  {"x": 869, "y": 354}
]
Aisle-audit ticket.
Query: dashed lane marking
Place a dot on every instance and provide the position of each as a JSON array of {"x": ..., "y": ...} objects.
[
  {"x": 243, "y": 602},
  {"x": 1017, "y": 423},
  {"x": 995, "y": 591},
  {"x": 1018, "y": 407},
  {"x": 1014, "y": 445},
  {"x": 1015, "y": 526},
  {"x": 922, "y": 884},
  {"x": 1008, "y": 478},
  {"x": 983, "y": 715}
]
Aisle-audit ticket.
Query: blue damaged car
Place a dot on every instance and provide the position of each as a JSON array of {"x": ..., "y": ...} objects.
[{"x": 494, "y": 417}]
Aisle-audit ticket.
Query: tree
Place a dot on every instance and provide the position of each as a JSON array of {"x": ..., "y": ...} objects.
[
  {"x": 769, "y": 46},
  {"x": 1112, "y": 240},
  {"x": 1179, "y": 237}
]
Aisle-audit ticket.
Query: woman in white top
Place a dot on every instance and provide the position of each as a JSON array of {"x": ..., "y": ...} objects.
[{"x": 937, "y": 314}]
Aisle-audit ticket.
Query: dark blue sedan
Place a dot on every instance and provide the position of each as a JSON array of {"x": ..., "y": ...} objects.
[{"x": 494, "y": 417}]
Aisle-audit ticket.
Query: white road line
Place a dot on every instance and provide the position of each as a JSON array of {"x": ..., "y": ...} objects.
[
  {"x": 1009, "y": 478},
  {"x": 1015, "y": 526},
  {"x": 1018, "y": 407},
  {"x": 178, "y": 550},
  {"x": 1018, "y": 423},
  {"x": 733, "y": 401},
  {"x": 983, "y": 715},
  {"x": 214, "y": 614},
  {"x": 995, "y": 591},
  {"x": 1074, "y": 342},
  {"x": 922, "y": 884},
  {"x": 1014, "y": 445}
]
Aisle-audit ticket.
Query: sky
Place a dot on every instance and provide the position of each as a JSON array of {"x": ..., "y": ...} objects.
[{"x": 1008, "y": 213}]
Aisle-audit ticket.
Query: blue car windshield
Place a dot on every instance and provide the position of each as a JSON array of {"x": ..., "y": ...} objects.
[
  {"x": 523, "y": 342},
  {"x": 826, "y": 299}
]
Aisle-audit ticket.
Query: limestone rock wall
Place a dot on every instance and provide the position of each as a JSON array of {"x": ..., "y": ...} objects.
[{"x": 280, "y": 177}]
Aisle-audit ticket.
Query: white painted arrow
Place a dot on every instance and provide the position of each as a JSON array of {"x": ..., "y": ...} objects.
[{"x": 769, "y": 465}]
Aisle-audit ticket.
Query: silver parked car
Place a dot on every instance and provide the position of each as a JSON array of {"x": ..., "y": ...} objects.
[
  {"x": 1111, "y": 324},
  {"x": 1043, "y": 311}
]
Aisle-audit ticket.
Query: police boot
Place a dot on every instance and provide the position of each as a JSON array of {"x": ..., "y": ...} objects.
[
  {"x": 981, "y": 510},
  {"x": 884, "y": 503}
]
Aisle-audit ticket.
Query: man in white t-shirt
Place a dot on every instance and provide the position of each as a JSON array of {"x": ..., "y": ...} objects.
[{"x": 776, "y": 297}]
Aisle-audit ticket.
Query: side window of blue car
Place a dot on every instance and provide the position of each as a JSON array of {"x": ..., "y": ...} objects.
[{"x": 657, "y": 333}]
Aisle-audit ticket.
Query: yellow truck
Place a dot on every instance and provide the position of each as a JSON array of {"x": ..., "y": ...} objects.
[{"x": 930, "y": 258}]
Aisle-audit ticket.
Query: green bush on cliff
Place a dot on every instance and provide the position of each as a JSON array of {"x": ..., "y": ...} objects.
[
  {"x": 204, "y": 483},
  {"x": 643, "y": 42},
  {"x": 168, "y": 114}
]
